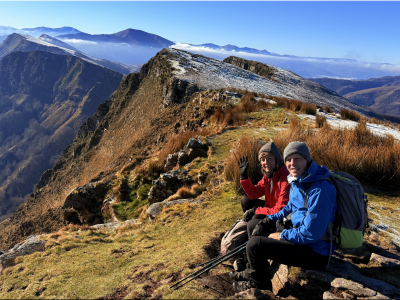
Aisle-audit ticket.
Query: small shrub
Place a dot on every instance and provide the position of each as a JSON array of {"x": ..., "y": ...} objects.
[
  {"x": 349, "y": 114},
  {"x": 295, "y": 123},
  {"x": 294, "y": 105},
  {"x": 309, "y": 108},
  {"x": 320, "y": 121},
  {"x": 262, "y": 104},
  {"x": 327, "y": 109}
]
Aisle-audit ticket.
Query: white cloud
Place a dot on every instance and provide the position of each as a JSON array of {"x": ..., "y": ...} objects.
[{"x": 78, "y": 42}]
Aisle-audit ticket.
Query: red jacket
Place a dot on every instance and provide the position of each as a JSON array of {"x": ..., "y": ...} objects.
[{"x": 279, "y": 196}]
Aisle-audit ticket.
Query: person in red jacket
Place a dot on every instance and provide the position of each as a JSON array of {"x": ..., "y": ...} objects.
[{"x": 274, "y": 186}]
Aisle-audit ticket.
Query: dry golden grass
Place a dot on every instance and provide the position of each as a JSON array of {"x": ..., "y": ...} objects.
[
  {"x": 372, "y": 159},
  {"x": 327, "y": 109},
  {"x": 320, "y": 121},
  {"x": 294, "y": 105},
  {"x": 186, "y": 192},
  {"x": 349, "y": 114},
  {"x": 309, "y": 108},
  {"x": 244, "y": 147}
]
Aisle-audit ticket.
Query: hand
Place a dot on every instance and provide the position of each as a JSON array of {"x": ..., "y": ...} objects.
[
  {"x": 275, "y": 236},
  {"x": 249, "y": 214},
  {"x": 264, "y": 228},
  {"x": 243, "y": 163}
]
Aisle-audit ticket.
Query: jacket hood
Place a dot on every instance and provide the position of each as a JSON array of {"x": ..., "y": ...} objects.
[
  {"x": 314, "y": 173},
  {"x": 271, "y": 148}
]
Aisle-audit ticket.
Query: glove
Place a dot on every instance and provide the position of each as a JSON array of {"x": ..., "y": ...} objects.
[
  {"x": 249, "y": 214},
  {"x": 243, "y": 163},
  {"x": 264, "y": 228}
]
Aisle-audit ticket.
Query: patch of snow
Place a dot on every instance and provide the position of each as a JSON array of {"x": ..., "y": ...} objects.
[
  {"x": 210, "y": 73},
  {"x": 336, "y": 122}
]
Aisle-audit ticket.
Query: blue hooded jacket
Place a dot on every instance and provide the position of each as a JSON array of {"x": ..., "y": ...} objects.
[{"x": 310, "y": 222}]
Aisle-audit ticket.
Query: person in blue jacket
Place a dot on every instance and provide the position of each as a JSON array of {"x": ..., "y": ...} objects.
[{"x": 311, "y": 207}]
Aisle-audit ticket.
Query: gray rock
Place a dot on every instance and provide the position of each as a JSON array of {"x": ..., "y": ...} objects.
[
  {"x": 170, "y": 162},
  {"x": 86, "y": 196},
  {"x": 357, "y": 289},
  {"x": 29, "y": 246},
  {"x": 114, "y": 224},
  {"x": 183, "y": 158},
  {"x": 156, "y": 208},
  {"x": 385, "y": 261},
  {"x": 346, "y": 270},
  {"x": 328, "y": 296},
  {"x": 168, "y": 184}
]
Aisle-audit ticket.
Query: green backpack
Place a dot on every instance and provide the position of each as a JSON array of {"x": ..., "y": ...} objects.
[{"x": 351, "y": 214}]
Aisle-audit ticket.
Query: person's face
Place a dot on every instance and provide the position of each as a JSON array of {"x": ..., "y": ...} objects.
[
  {"x": 268, "y": 162},
  {"x": 296, "y": 165}
]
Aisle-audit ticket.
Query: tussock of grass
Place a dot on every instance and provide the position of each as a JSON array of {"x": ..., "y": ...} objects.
[
  {"x": 327, "y": 109},
  {"x": 320, "y": 121},
  {"x": 349, "y": 114},
  {"x": 372, "y": 159}
]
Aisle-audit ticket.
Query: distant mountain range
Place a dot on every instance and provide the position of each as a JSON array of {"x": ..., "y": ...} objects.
[
  {"x": 19, "y": 42},
  {"x": 380, "y": 94},
  {"x": 136, "y": 47}
]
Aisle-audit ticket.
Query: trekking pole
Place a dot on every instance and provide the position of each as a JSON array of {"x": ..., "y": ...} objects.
[
  {"x": 241, "y": 250},
  {"x": 219, "y": 257},
  {"x": 210, "y": 263}
]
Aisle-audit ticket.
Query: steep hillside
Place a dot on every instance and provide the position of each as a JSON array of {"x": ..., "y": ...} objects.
[
  {"x": 18, "y": 42},
  {"x": 44, "y": 99},
  {"x": 141, "y": 114},
  {"x": 346, "y": 86},
  {"x": 380, "y": 94}
]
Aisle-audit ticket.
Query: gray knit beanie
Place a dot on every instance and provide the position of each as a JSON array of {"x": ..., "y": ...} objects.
[
  {"x": 270, "y": 147},
  {"x": 297, "y": 148}
]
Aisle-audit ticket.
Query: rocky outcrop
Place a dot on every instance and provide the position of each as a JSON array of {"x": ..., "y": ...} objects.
[
  {"x": 178, "y": 91},
  {"x": 168, "y": 184},
  {"x": 84, "y": 203},
  {"x": 29, "y": 246},
  {"x": 340, "y": 280},
  {"x": 256, "y": 67},
  {"x": 194, "y": 148}
]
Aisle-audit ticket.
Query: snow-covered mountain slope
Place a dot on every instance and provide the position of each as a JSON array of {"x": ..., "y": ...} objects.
[
  {"x": 24, "y": 42},
  {"x": 210, "y": 73}
]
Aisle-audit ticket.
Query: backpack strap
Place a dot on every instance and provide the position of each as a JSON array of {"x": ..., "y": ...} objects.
[{"x": 309, "y": 184}]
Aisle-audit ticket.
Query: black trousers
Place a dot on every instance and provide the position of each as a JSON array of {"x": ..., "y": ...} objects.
[
  {"x": 248, "y": 203},
  {"x": 260, "y": 249}
]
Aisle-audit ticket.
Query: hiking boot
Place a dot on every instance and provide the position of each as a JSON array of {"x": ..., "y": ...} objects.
[
  {"x": 239, "y": 276},
  {"x": 239, "y": 265},
  {"x": 241, "y": 286}
]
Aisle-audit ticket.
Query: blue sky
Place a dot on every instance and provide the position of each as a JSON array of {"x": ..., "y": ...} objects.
[{"x": 366, "y": 31}]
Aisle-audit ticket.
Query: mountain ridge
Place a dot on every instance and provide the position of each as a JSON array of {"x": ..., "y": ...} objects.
[
  {"x": 19, "y": 42},
  {"x": 380, "y": 94},
  {"x": 44, "y": 99}
]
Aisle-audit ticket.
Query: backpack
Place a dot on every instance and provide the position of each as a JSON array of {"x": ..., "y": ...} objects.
[
  {"x": 351, "y": 214},
  {"x": 234, "y": 237}
]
